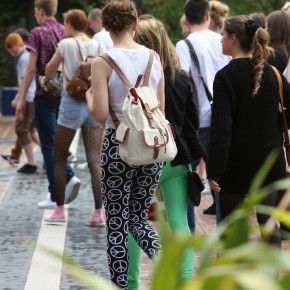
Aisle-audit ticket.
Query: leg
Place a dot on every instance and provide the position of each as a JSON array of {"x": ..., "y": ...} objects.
[
  {"x": 275, "y": 238},
  {"x": 46, "y": 112},
  {"x": 63, "y": 139},
  {"x": 93, "y": 139},
  {"x": 115, "y": 190},
  {"x": 134, "y": 252},
  {"x": 173, "y": 184},
  {"x": 204, "y": 138},
  {"x": 23, "y": 132},
  {"x": 16, "y": 150},
  {"x": 144, "y": 184}
]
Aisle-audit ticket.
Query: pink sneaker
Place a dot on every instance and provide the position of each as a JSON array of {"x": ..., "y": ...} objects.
[
  {"x": 97, "y": 219},
  {"x": 57, "y": 215}
]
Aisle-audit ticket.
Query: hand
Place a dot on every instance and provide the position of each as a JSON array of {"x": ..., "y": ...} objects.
[
  {"x": 14, "y": 102},
  {"x": 214, "y": 186},
  {"x": 20, "y": 107}
]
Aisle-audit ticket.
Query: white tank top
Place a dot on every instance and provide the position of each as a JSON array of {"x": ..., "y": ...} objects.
[
  {"x": 132, "y": 62},
  {"x": 69, "y": 51}
]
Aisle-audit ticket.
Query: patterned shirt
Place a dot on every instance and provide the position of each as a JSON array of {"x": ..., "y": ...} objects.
[{"x": 42, "y": 41}]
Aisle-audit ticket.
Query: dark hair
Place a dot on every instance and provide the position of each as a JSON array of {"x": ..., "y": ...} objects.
[
  {"x": 278, "y": 27},
  {"x": 252, "y": 38},
  {"x": 23, "y": 33},
  {"x": 77, "y": 19},
  {"x": 195, "y": 10},
  {"x": 260, "y": 18},
  {"x": 118, "y": 15}
]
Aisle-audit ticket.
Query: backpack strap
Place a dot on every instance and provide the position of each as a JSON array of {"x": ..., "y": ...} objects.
[
  {"x": 79, "y": 50},
  {"x": 117, "y": 69},
  {"x": 282, "y": 111},
  {"x": 195, "y": 61},
  {"x": 148, "y": 69}
]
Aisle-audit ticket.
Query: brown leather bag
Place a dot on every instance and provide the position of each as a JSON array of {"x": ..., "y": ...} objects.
[
  {"x": 284, "y": 119},
  {"x": 80, "y": 83}
]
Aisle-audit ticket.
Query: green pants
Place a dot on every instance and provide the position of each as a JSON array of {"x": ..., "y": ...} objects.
[{"x": 173, "y": 186}]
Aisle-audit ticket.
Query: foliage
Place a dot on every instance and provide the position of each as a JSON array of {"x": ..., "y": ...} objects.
[
  {"x": 228, "y": 258},
  {"x": 168, "y": 11},
  {"x": 249, "y": 6}
]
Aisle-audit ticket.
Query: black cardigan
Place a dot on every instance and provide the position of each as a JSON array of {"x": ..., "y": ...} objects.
[
  {"x": 245, "y": 128},
  {"x": 181, "y": 112}
]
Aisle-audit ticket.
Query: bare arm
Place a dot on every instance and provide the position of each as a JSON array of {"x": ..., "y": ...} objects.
[
  {"x": 161, "y": 93},
  {"x": 28, "y": 75},
  {"x": 27, "y": 79},
  {"x": 97, "y": 98},
  {"x": 53, "y": 64}
]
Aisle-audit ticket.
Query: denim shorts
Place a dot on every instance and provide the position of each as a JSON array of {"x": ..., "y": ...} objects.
[{"x": 73, "y": 114}]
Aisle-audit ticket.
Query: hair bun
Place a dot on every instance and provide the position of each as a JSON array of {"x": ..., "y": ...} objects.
[{"x": 251, "y": 27}]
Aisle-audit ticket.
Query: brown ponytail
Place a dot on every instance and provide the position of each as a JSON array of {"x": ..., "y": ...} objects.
[
  {"x": 261, "y": 52},
  {"x": 252, "y": 38}
]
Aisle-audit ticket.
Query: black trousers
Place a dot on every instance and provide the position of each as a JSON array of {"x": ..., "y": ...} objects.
[{"x": 127, "y": 192}]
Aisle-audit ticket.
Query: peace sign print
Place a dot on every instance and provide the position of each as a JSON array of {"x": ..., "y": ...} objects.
[
  {"x": 125, "y": 213},
  {"x": 144, "y": 181},
  {"x": 113, "y": 152},
  {"x": 115, "y": 223},
  {"x": 127, "y": 185},
  {"x": 116, "y": 167},
  {"x": 135, "y": 206},
  {"x": 114, "y": 208},
  {"x": 150, "y": 169},
  {"x": 114, "y": 181},
  {"x": 114, "y": 194},
  {"x": 106, "y": 144},
  {"x": 104, "y": 159},
  {"x": 122, "y": 280},
  {"x": 120, "y": 266},
  {"x": 115, "y": 238}
]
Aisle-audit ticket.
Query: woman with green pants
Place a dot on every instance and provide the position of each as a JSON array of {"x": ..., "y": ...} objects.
[{"x": 181, "y": 112}]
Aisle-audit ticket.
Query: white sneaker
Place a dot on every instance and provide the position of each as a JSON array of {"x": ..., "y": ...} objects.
[
  {"x": 71, "y": 190},
  {"x": 72, "y": 159},
  {"x": 83, "y": 166},
  {"x": 47, "y": 203}
]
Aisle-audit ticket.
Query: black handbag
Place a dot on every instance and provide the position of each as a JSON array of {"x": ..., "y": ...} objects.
[{"x": 195, "y": 186}]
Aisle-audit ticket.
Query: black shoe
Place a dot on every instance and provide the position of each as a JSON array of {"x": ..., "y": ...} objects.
[
  {"x": 210, "y": 210},
  {"x": 8, "y": 158},
  {"x": 27, "y": 168}
]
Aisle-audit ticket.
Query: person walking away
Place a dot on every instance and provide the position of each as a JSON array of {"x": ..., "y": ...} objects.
[
  {"x": 207, "y": 46},
  {"x": 24, "y": 127},
  {"x": 278, "y": 27},
  {"x": 74, "y": 114},
  {"x": 127, "y": 190},
  {"x": 41, "y": 46},
  {"x": 181, "y": 112},
  {"x": 246, "y": 123},
  {"x": 16, "y": 150},
  {"x": 95, "y": 20}
]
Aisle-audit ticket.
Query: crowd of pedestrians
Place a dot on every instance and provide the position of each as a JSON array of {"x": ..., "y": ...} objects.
[{"x": 222, "y": 129}]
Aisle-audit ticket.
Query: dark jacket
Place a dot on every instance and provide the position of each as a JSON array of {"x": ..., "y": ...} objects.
[
  {"x": 245, "y": 128},
  {"x": 181, "y": 112}
]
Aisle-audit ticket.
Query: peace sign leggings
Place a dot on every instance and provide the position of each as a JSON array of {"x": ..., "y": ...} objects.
[{"x": 127, "y": 193}]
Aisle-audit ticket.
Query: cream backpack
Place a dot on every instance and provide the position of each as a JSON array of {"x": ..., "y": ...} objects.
[{"x": 143, "y": 134}]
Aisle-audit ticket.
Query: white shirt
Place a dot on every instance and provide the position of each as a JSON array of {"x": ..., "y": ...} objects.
[
  {"x": 208, "y": 49},
  {"x": 104, "y": 37},
  {"x": 132, "y": 62},
  {"x": 20, "y": 68},
  {"x": 69, "y": 51}
]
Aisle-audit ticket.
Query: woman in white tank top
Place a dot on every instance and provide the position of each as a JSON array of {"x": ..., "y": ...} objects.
[
  {"x": 73, "y": 115},
  {"x": 126, "y": 190}
]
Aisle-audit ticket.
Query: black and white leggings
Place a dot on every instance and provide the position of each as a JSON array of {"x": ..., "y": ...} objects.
[{"x": 127, "y": 193}]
